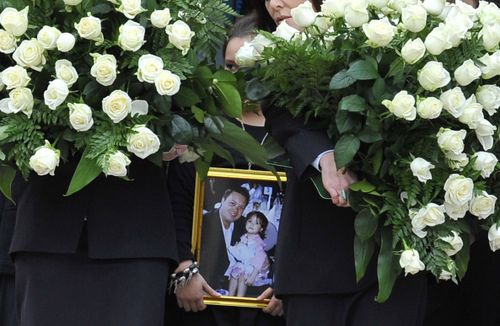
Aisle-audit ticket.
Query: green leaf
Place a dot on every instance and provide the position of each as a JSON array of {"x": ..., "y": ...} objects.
[
  {"x": 362, "y": 186},
  {"x": 204, "y": 75},
  {"x": 365, "y": 224},
  {"x": 363, "y": 70},
  {"x": 345, "y": 149},
  {"x": 320, "y": 188},
  {"x": 212, "y": 126},
  {"x": 352, "y": 103},
  {"x": 101, "y": 9},
  {"x": 256, "y": 90},
  {"x": 203, "y": 164},
  {"x": 86, "y": 171},
  {"x": 387, "y": 267},
  {"x": 3, "y": 132},
  {"x": 462, "y": 258},
  {"x": 363, "y": 253},
  {"x": 346, "y": 122},
  {"x": 378, "y": 88},
  {"x": 224, "y": 76},
  {"x": 369, "y": 136},
  {"x": 221, "y": 152},
  {"x": 198, "y": 113},
  {"x": 273, "y": 148},
  {"x": 181, "y": 130},
  {"x": 186, "y": 97},
  {"x": 229, "y": 99},
  {"x": 396, "y": 69},
  {"x": 7, "y": 175},
  {"x": 341, "y": 80}
]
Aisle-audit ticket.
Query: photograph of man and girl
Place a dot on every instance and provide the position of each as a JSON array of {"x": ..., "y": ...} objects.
[{"x": 239, "y": 234}]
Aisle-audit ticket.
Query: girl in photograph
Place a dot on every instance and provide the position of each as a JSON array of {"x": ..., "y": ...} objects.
[{"x": 248, "y": 259}]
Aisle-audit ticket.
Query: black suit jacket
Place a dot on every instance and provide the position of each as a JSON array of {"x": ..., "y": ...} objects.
[
  {"x": 316, "y": 238},
  {"x": 213, "y": 254},
  {"x": 125, "y": 219}
]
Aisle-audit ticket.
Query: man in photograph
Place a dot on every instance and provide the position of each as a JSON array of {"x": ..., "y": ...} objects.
[{"x": 222, "y": 227}]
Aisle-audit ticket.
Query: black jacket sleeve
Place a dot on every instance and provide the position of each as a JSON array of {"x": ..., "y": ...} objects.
[
  {"x": 302, "y": 143},
  {"x": 181, "y": 182}
]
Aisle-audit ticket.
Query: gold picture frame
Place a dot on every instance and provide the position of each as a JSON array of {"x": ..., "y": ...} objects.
[{"x": 233, "y": 243}]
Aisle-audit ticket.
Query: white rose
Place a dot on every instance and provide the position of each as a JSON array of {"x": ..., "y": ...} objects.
[
  {"x": 304, "y": 15},
  {"x": 457, "y": 162},
  {"x": 483, "y": 205},
  {"x": 431, "y": 215},
  {"x": 434, "y": 7},
  {"x": 323, "y": 23},
  {"x": 117, "y": 105},
  {"x": 188, "y": 156},
  {"x": 433, "y": 76},
  {"x": 356, "y": 13},
  {"x": 5, "y": 107},
  {"x": 149, "y": 66},
  {"x": 7, "y": 42},
  {"x": 130, "y": 8},
  {"x": 413, "y": 50},
  {"x": 139, "y": 107},
  {"x": 453, "y": 101},
  {"x": 14, "y": 77},
  {"x": 116, "y": 164},
  {"x": 104, "y": 68},
  {"x": 472, "y": 113},
  {"x": 457, "y": 29},
  {"x": 143, "y": 142},
  {"x": 161, "y": 18},
  {"x": 56, "y": 93},
  {"x": 402, "y": 106},
  {"x": 451, "y": 140},
  {"x": 398, "y": 5},
  {"x": 494, "y": 237},
  {"x": 286, "y": 31},
  {"x": 488, "y": 13},
  {"x": 485, "y": 163},
  {"x": 429, "y": 108},
  {"x": 456, "y": 212},
  {"x": 167, "y": 83},
  {"x": 47, "y": 37},
  {"x": 410, "y": 262},
  {"x": 467, "y": 73},
  {"x": 131, "y": 36},
  {"x": 414, "y": 17},
  {"x": 30, "y": 54},
  {"x": 379, "y": 4},
  {"x": 247, "y": 55},
  {"x": 417, "y": 227},
  {"x": 334, "y": 8},
  {"x": 72, "y": 2},
  {"x": 491, "y": 65},
  {"x": 260, "y": 42},
  {"x": 455, "y": 241},
  {"x": 379, "y": 32},
  {"x": 459, "y": 190},
  {"x": 65, "y": 42},
  {"x": 66, "y": 72},
  {"x": 180, "y": 35},
  {"x": 491, "y": 36},
  {"x": 421, "y": 169},
  {"x": 446, "y": 275},
  {"x": 80, "y": 116},
  {"x": 437, "y": 41},
  {"x": 45, "y": 160},
  {"x": 89, "y": 28},
  {"x": 484, "y": 133},
  {"x": 489, "y": 97},
  {"x": 14, "y": 22},
  {"x": 21, "y": 99}
]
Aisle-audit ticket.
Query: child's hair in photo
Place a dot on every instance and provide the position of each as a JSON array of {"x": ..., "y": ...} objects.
[{"x": 262, "y": 219}]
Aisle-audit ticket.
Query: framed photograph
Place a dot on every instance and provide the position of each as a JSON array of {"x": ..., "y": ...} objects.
[{"x": 236, "y": 222}]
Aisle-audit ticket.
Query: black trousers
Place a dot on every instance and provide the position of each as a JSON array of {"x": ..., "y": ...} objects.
[
  {"x": 7, "y": 301},
  {"x": 405, "y": 307}
]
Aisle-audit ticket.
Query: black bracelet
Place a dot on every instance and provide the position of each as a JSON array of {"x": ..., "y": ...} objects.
[{"x": 180, "y": 279}]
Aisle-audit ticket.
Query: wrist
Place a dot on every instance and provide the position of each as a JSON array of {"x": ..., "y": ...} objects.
[
  {"x": 327, "y": 162},
  {"x": 183, "y": 265}
]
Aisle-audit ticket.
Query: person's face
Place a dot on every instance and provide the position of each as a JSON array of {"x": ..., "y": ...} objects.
[
  {"x": 279, "y": 10},
  {"x": 253, "y": 225},
  {"x": 232, "y": 207},
  {"x": 234, "y": 44}
]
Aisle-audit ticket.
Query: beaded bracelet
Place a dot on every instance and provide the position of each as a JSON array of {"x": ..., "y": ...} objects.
[{"x": 180, "y": 279}]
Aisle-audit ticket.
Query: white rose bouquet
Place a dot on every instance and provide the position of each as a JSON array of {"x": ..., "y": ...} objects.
[
  {"x": 408, "y": 91},
  {"x": 103, "y": 81}
]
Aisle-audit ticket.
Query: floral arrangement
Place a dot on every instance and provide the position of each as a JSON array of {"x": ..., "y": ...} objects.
[
  {"x": 408, "y": 90},
  {"x": 102, "y": 81}
]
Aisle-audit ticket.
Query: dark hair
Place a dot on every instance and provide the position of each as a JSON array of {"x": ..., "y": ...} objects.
[
  {"x": 242, "y": 191},
  {"x": 262, "y": 219},
  {"x": 244, "y": 26},
  {"x": 265, "y": 21}
]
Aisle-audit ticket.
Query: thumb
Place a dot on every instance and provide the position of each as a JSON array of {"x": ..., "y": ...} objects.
[
  {"x": 266, "y": 294},
  {"x": 211, "y": 292}
]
